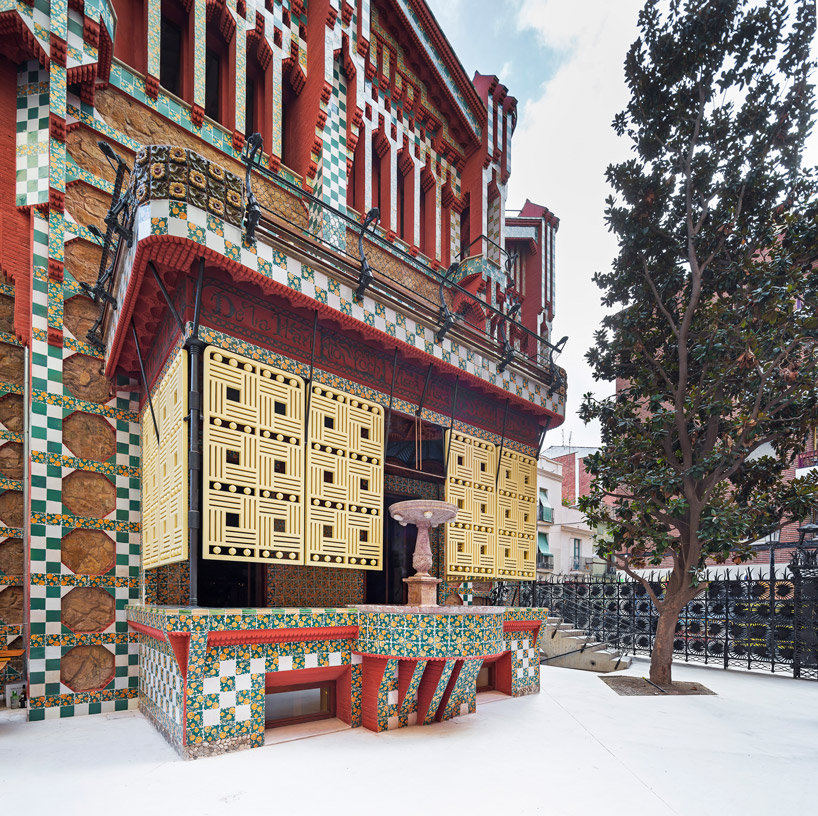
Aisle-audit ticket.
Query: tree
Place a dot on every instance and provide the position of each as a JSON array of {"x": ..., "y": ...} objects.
[{"x": 715, "y": 295}]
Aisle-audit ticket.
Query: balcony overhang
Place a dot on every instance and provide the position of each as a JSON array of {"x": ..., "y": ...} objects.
[{"x": 199, "y": 217}]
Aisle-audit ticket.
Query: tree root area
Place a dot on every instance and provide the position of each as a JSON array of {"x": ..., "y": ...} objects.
[{"x": 642, "y": 687}]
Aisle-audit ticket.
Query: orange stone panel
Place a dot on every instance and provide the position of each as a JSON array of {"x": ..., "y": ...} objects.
[
  {"x": 11, "y": 364},
  {"x": 88, "y": 552},
  {"x": 11, "y": 460},
  {"x": 11, "y": 556},
  {"x": 11, "y": 508},
  {"x": 79, "y": 315},
  {"x": 82, "y": 260},
  {"x": 11, "y": 605},
  {"x": 88, "y": 494},
  {"x": 7, "y": 314},
  {"x": 83, "y": 377},
  {"x": 11, "y": 412},
  {"x": 89, "y": 436},
  {"x": 85, "y": 668},
  {"x": 88, "y": 609}
]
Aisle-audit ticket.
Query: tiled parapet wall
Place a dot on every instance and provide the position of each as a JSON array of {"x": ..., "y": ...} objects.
[
  {"x": 203, "y": 672},
  {"x": 446, "y": 632}
]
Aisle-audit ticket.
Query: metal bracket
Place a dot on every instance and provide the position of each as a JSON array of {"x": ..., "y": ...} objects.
[
  {"x": 365, "y": 277},
  {"x": 252, "y": 216},
  {"x": 447, "y": 317}
]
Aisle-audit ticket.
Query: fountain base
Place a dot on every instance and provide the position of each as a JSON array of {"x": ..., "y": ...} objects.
[{"x": 422, "y": 590}]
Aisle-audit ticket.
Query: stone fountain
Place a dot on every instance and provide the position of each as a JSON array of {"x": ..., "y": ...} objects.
[{"x": 424, "y": 514}]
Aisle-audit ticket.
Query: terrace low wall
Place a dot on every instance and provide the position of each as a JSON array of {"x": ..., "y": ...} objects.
[{"x": 203, "y": 672}]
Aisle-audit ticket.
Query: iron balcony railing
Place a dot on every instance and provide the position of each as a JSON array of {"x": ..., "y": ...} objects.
[
  {"x": 545, "y": 562},
  {"x": 539, "y": 353}
]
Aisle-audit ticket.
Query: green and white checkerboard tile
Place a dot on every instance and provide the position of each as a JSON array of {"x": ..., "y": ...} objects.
[
  {"x": 32, "y": 135},
  {"x": 79, "y": 52}
]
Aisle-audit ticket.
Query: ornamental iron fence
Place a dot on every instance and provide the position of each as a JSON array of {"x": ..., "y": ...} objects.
[{"x": 750, "y": 619}]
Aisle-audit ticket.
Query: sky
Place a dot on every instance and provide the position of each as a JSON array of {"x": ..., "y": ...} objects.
[{"x": 563, "y": 61}]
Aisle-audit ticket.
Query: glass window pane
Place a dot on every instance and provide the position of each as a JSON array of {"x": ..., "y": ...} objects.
[{"x": 301, "y": 703}]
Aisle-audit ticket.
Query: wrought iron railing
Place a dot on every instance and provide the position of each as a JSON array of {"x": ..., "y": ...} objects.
[
  {"x": 541, "y": 354},
  {"x": 750, "y": 620}
]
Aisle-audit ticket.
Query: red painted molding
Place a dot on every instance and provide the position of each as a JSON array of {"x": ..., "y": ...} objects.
[
  {"x": 197, "y": 115},
  {"x": 156, "y": 634},
  {"x": 59, "y": 49},
  {"x": 180, "y": 643},
  {"x": 56, "y": 270},
  {"x": 372, "y": 670},
  {"x": 522, "y": 626},
  {"x": 54, "y": 336},
  {"x": 236, "y": 637},
  {"x": 151, "y": 86},
  {"x": 403, "y": 658}
]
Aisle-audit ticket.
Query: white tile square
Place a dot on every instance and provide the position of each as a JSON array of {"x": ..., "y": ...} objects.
[
  {"x": 227, "y": 699},
  {"x": 242, "y": 712},
  {"x": 227, "y": 668},
  {"x": 257, "y": 665},
  {"x": 210, "y": 716},
  {"x": 335, "y": 658},
  {"x": 311, "y": 661},
  {"x": 244, "y": 682},
  {"x": 356, "y": 659},
  {"x": 285, "y": 663}
]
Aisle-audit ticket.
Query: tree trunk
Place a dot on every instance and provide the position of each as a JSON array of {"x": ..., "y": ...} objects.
[{"x": 662, "y": 655}]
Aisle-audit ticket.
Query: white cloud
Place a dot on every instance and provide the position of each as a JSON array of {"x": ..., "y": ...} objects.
[
  {"x": 505, "y": 72},
  {"x": 562, "y": 145}
]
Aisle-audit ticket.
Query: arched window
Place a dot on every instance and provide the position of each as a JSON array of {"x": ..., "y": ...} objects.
[
  {"x": 258, "y": 114},
  {"x": 220, "y": 83},
  {"x": 176, "y": 52}
]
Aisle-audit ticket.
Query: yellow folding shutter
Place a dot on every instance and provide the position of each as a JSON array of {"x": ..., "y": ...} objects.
[
  {"x": 253, "y": 462},
  {"x": 516, "y": 516},
  {"x": 471, "y": 539},
  {"x": 164, "y": 469},
  {"x": 344, "y": 481}
]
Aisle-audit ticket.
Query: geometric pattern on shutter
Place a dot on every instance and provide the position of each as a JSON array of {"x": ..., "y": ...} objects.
[
  {"x": 344, "y": 481},
  {"x": 471, "y": 540},
  {"x": 164, "y": 470},
  {"x": 516, "y": 516},
  {"x": 253, "y": 461}
]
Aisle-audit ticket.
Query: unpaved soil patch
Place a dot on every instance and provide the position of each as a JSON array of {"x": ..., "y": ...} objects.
[{"x": 640, "y": 687}]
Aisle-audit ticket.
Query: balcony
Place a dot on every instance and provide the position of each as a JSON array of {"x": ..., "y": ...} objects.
[
  {"x": 545, "y": 562},
  {"x": 806, "y": 463},
  {"x": 267, "y": 230}
]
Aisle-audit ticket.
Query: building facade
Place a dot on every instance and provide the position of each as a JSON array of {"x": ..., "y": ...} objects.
[
  {"x": 258, "y": 285},
  {"x": 565, "y": 542}
]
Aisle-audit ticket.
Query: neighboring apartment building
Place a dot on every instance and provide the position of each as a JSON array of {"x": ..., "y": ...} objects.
[
  {"x": 565, "y": 542},
  {"x": 225, "y": 398}
]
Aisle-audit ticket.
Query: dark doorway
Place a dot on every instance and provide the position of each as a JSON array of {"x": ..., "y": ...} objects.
[
  {"x": 386, "y": 586},
  {"x": 231, "y": 584},
  {"x": 486, "y": 680}
]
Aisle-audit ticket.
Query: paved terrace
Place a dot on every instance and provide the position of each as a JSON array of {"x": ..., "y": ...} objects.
[{"x": 576, "y": 748}]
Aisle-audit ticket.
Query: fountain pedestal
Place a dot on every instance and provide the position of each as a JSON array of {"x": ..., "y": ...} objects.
[{"x": 424, "y": 514}]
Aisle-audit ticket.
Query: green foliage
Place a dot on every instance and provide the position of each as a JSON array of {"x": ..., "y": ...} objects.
[{"x": 714, "y": 289}]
